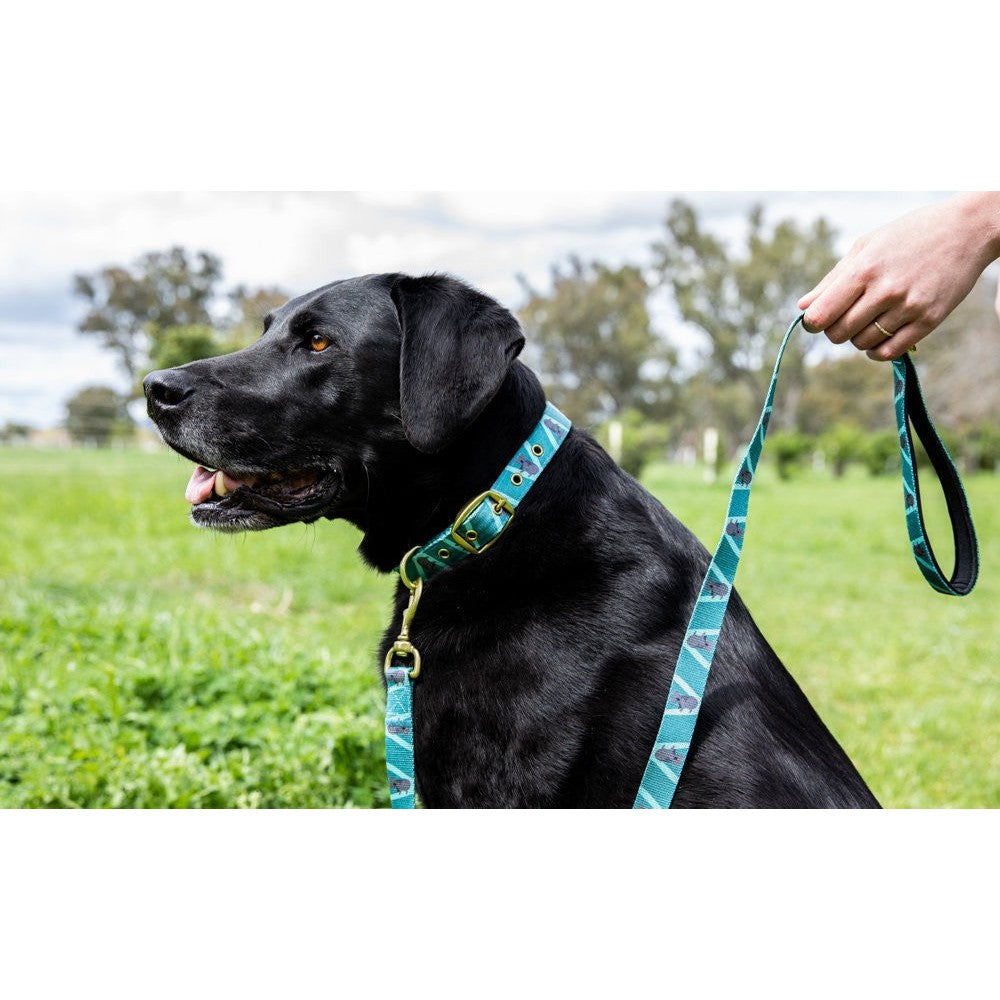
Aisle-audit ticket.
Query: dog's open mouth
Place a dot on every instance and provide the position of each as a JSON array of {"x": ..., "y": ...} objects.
[{"x": 234, "y": 501}]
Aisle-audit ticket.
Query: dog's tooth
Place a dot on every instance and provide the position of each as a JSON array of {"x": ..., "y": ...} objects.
[{"x": 220, "y": 484}]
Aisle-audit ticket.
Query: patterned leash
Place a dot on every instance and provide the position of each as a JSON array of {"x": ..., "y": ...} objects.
[
  {"x": 673, "y": 741},
  {"x": 476, "y": 528}
]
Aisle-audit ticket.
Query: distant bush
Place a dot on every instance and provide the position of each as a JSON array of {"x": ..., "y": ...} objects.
[
  {"x": 13, "y": 433},
  {"x": 177, "y": 345},
  {"x": 96, "y": 415},
  {"x": 642, "y": 441},
  {"x": 789, "y": 450},
  {"x": 841, "y": 445},
  {"x": 981, "y": 447},
  {"x": 880, "y": 452}
]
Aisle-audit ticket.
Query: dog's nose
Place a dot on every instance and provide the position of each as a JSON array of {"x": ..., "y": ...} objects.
[{"x": 167, "y": 389}]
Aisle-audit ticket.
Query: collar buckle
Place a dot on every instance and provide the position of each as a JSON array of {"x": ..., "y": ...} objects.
[{"x": 499, "y": 503}]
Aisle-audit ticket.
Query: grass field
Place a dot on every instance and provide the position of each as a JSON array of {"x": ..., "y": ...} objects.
[{"x": 145, "y": 663}]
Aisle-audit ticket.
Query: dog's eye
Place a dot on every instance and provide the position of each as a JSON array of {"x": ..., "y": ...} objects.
[{"x": 319, "y": 342}]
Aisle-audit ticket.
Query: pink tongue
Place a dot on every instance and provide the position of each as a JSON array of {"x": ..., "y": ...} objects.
[{"x": 199, "y": 486}]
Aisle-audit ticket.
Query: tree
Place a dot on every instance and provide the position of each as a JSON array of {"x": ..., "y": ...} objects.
[
  {"x": 742, "y": 300},
  {"x": 248, "y": 308},
  {"x": 847, "y": 389},
  {"x": 177, "y": 345},
  {"x": 96, "y": 414},
  {"x": 597, "y": 351},
  {"x": 13, "y": 432},
  {"x": 163, "y": 289}
]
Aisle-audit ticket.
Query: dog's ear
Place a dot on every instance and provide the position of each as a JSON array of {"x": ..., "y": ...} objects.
[{"x": 457, "y": 347}]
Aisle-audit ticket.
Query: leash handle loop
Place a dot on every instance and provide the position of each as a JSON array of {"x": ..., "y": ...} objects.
[
  {"x": 694, "y": 662},
  {"x": 912, "y": 411}
]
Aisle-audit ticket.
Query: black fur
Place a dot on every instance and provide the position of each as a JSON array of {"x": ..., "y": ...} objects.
[
  {"x": 457, "y": 346},
  {"x": 547, "y": 659}
]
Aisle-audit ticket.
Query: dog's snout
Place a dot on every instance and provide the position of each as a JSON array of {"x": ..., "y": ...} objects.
[{"x": 167, "y": 389}]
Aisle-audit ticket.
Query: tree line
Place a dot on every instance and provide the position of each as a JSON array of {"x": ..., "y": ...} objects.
[
  {"x": 167, "y": 308},
  {"x": 600, "y": 354},
  {"x": 594, "y": 343}
]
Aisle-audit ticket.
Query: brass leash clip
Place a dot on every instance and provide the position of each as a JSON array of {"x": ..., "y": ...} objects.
[{"x": 402, "y": 646}]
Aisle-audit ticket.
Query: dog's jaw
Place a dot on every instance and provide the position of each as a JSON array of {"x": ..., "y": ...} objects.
[{"x": 271, "y": 502}]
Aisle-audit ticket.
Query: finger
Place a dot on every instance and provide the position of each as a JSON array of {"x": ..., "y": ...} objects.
[
  {"x": 899, "y": 343},
  {"x": 858, "y": 317},
  {"x": 833, "y": 302},
  {"x": 818, "y": 290},
  {"x": 870, "y": 338},
  {"x": 835, "y": 272},
  {"x": 890, "y": 321}
]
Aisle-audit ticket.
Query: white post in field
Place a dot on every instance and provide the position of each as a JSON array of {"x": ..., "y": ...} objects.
[
  {"x": 615, "y": 440},
  {"x": 710, "y": 446}
]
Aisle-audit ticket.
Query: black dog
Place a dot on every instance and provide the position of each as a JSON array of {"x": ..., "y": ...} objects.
[{"x": 392, "y": 401}]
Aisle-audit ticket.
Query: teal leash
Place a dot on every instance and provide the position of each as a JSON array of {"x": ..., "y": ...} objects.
[
  {"x": 687, "y": 689},
  {"x": 481, "y": 522},
  {"x": 474, "y": 530}
]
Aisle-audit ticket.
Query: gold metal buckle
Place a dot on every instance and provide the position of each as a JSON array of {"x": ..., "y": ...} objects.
[
  {"x": 402, "y": 646},
  {"x": 500, "y": 502}
]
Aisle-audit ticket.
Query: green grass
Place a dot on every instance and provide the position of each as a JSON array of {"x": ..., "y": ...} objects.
[
  {"x": 905, "y": 678},
  {"x": 145, "y": 663}
]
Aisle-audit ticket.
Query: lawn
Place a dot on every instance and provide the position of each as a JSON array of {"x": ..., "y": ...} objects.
[{"x": 145, "y": 663}]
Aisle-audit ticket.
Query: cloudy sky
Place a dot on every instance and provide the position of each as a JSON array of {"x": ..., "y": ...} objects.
[{"x": 301, "y": 240}]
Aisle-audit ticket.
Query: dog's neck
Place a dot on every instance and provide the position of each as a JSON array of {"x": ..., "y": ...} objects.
[{"x": 425, "y": 492}]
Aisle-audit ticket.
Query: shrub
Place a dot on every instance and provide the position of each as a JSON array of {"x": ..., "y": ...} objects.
[
  {"x": 981, "y": 447},
  {"x": 789, "y": 450},
  {"x": 96, "y": 415},
  {"x": 880, "y": 452},
  {"x": 841, "y": 445},
  {"x": 642, "y": 440}
]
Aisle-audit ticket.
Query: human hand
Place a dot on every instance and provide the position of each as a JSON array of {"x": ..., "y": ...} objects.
[{"x": 897, "y": 284}]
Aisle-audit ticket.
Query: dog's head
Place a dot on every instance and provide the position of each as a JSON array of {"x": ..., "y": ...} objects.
[{"x": 344, "y": 382}]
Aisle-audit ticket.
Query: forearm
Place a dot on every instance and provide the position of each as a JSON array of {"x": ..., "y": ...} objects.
[{"x": 980, "y": 212}]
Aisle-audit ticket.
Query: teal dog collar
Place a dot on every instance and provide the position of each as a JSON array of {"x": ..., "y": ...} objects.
[
  {"x": 481, "y": 521},
  {"x": 477, "y": 526}
]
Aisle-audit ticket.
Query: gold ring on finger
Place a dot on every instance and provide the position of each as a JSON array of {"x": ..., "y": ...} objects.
[{"x": 881, "y": 329}]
